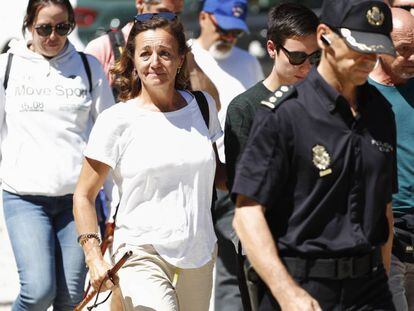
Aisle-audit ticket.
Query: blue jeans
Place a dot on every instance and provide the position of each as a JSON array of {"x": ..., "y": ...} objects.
[{"x": 50, "y": 262}]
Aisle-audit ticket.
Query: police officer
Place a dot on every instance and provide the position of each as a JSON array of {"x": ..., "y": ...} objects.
[
  {"x": 315, "y": 181},
  {"x": 291, "y": 43}
]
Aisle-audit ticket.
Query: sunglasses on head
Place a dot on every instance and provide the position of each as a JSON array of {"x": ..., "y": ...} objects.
[
  {"x": 234, "y": 33},
  {"x": 298, "y": 58},
  {"x": 169, "y": 16},
  {"x": 45, "y": 30},
  {"x": 405, "y": 7}
]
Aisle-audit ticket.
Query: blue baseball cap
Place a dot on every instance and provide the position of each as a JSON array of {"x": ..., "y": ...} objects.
[{"x": 230, "y": 14}]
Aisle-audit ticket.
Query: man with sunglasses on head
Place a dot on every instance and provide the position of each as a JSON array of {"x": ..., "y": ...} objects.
[
  {"x": 291, "y": 43},
  {"x": 315, "y": 181},
  {"x": 232, "y": 70},
  {"x": 108, "y": 48},
  {"x": 394, "y": 78}
]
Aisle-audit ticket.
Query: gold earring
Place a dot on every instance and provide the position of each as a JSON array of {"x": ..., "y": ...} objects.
[{"x": 178, "y": 70}]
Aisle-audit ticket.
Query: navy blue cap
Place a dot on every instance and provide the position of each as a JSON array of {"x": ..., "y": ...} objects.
[
  {"x": 230, "y": 14},
  {"x": 365, "y": 25}
]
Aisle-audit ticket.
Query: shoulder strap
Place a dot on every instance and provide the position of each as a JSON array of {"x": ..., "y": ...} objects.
[
  {"x": 116, "y": 37},
  {"x": 203, "y": 105},
  {"x": 87, "y": 69},
  {"x": 283, "y": 93},
  {"x": 6, "y": 74}
]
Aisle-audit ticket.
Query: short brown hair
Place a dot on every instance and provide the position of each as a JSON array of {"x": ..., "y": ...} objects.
[
  {"x": 290, "y": 20},
  {"x": 126, "y": 83}
]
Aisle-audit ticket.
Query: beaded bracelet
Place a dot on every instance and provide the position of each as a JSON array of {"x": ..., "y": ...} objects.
[{"x": 83, "y": 238}]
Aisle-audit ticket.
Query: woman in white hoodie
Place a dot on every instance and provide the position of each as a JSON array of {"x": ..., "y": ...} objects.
[{"x": 51, "y": 99}]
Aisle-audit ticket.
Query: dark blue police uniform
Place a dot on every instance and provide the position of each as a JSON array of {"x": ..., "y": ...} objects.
[{"x": 325, "y": 178}]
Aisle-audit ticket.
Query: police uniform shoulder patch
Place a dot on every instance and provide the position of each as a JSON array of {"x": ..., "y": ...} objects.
[{"x": 280, "y": 95}]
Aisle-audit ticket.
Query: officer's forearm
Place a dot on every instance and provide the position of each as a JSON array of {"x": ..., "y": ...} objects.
[
  {"x": 386, "y": 249},
  {"x": 253, "y": 231}
]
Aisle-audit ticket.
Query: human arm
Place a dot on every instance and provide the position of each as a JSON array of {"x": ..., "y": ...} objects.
[
  {"x": 102, "y": 96},
  {"x": 262, "y": 253},
  {"x": 101, "y": 49},
  {"x": 2, "y": 105},
  {"x": 199, "y": 80},
  {"x": 90, "y": 181},
  {"x": 2, "y": 111},
  {"x": 101, "y": 153},
  {"x": 386, "y": 249},
  {"x": 260, "y": 181},
  {"x": 220, "y": 179}
]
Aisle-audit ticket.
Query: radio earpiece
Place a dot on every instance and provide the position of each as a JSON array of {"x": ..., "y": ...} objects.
[{"x": 325, "y": 40}]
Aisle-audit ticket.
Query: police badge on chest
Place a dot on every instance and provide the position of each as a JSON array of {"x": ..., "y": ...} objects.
[{"x": 321, "y": 159}]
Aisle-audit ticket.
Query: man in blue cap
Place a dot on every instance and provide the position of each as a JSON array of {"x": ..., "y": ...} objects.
[
  {"x": 232, "y": 70},
  {"x": 315, "y": 182}
]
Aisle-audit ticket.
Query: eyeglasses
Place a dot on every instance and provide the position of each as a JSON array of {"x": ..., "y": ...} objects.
[
  {"x": 405, "y": 7},
  {"x": 45, "y": 30},
  {"x": 298, "y": 58},
  {"x": 234, "y": 33},
  {"x": 169, "y": 16}
]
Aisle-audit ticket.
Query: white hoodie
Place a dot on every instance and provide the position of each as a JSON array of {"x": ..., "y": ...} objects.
[{"x": 46, "y": 116}]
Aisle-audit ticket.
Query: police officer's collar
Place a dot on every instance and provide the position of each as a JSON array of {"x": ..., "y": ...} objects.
[{"x": 330, "y": 95}]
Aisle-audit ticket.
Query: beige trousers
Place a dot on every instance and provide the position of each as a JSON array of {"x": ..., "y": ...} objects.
[{"x": 150, "y": 283}]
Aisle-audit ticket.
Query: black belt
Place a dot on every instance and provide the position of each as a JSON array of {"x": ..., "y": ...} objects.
[{"x": 334, "y": 268}]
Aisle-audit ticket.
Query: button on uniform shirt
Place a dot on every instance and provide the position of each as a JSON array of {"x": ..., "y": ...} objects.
[{"x": 324, "y": 176}]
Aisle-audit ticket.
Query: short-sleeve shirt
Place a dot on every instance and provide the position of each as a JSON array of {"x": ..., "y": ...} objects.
[
  {"x": 324, "y": 176},
  {"x": 239, "y": 120},
  {"x": 164, "y": 167}
]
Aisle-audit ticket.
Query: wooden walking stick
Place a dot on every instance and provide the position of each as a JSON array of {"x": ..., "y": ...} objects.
[{"x": 109, "y": 276}]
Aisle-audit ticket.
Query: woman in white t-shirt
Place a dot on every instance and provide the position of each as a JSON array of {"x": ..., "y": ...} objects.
[{"x": 164, "y": 162}]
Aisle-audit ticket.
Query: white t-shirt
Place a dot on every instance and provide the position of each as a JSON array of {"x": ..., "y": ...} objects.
[
  {"x": 164, "y": 166},
  {"x": 46, "y": 116},
  {"x": 231, "y": 76}
]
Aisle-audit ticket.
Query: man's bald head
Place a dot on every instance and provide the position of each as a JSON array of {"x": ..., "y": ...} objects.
[
  {"x": 401, "y": 19},
  {"x": 400, "y": 68}
]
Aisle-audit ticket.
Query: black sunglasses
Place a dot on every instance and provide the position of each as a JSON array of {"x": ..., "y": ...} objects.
[
  {"x": 169, "y": 16},
  {"x": 405, "y": 7},
  {"x": 45, "y": 30},
  {"x": 298, "y": 58},
  {"x": 235, "y": 33}
]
